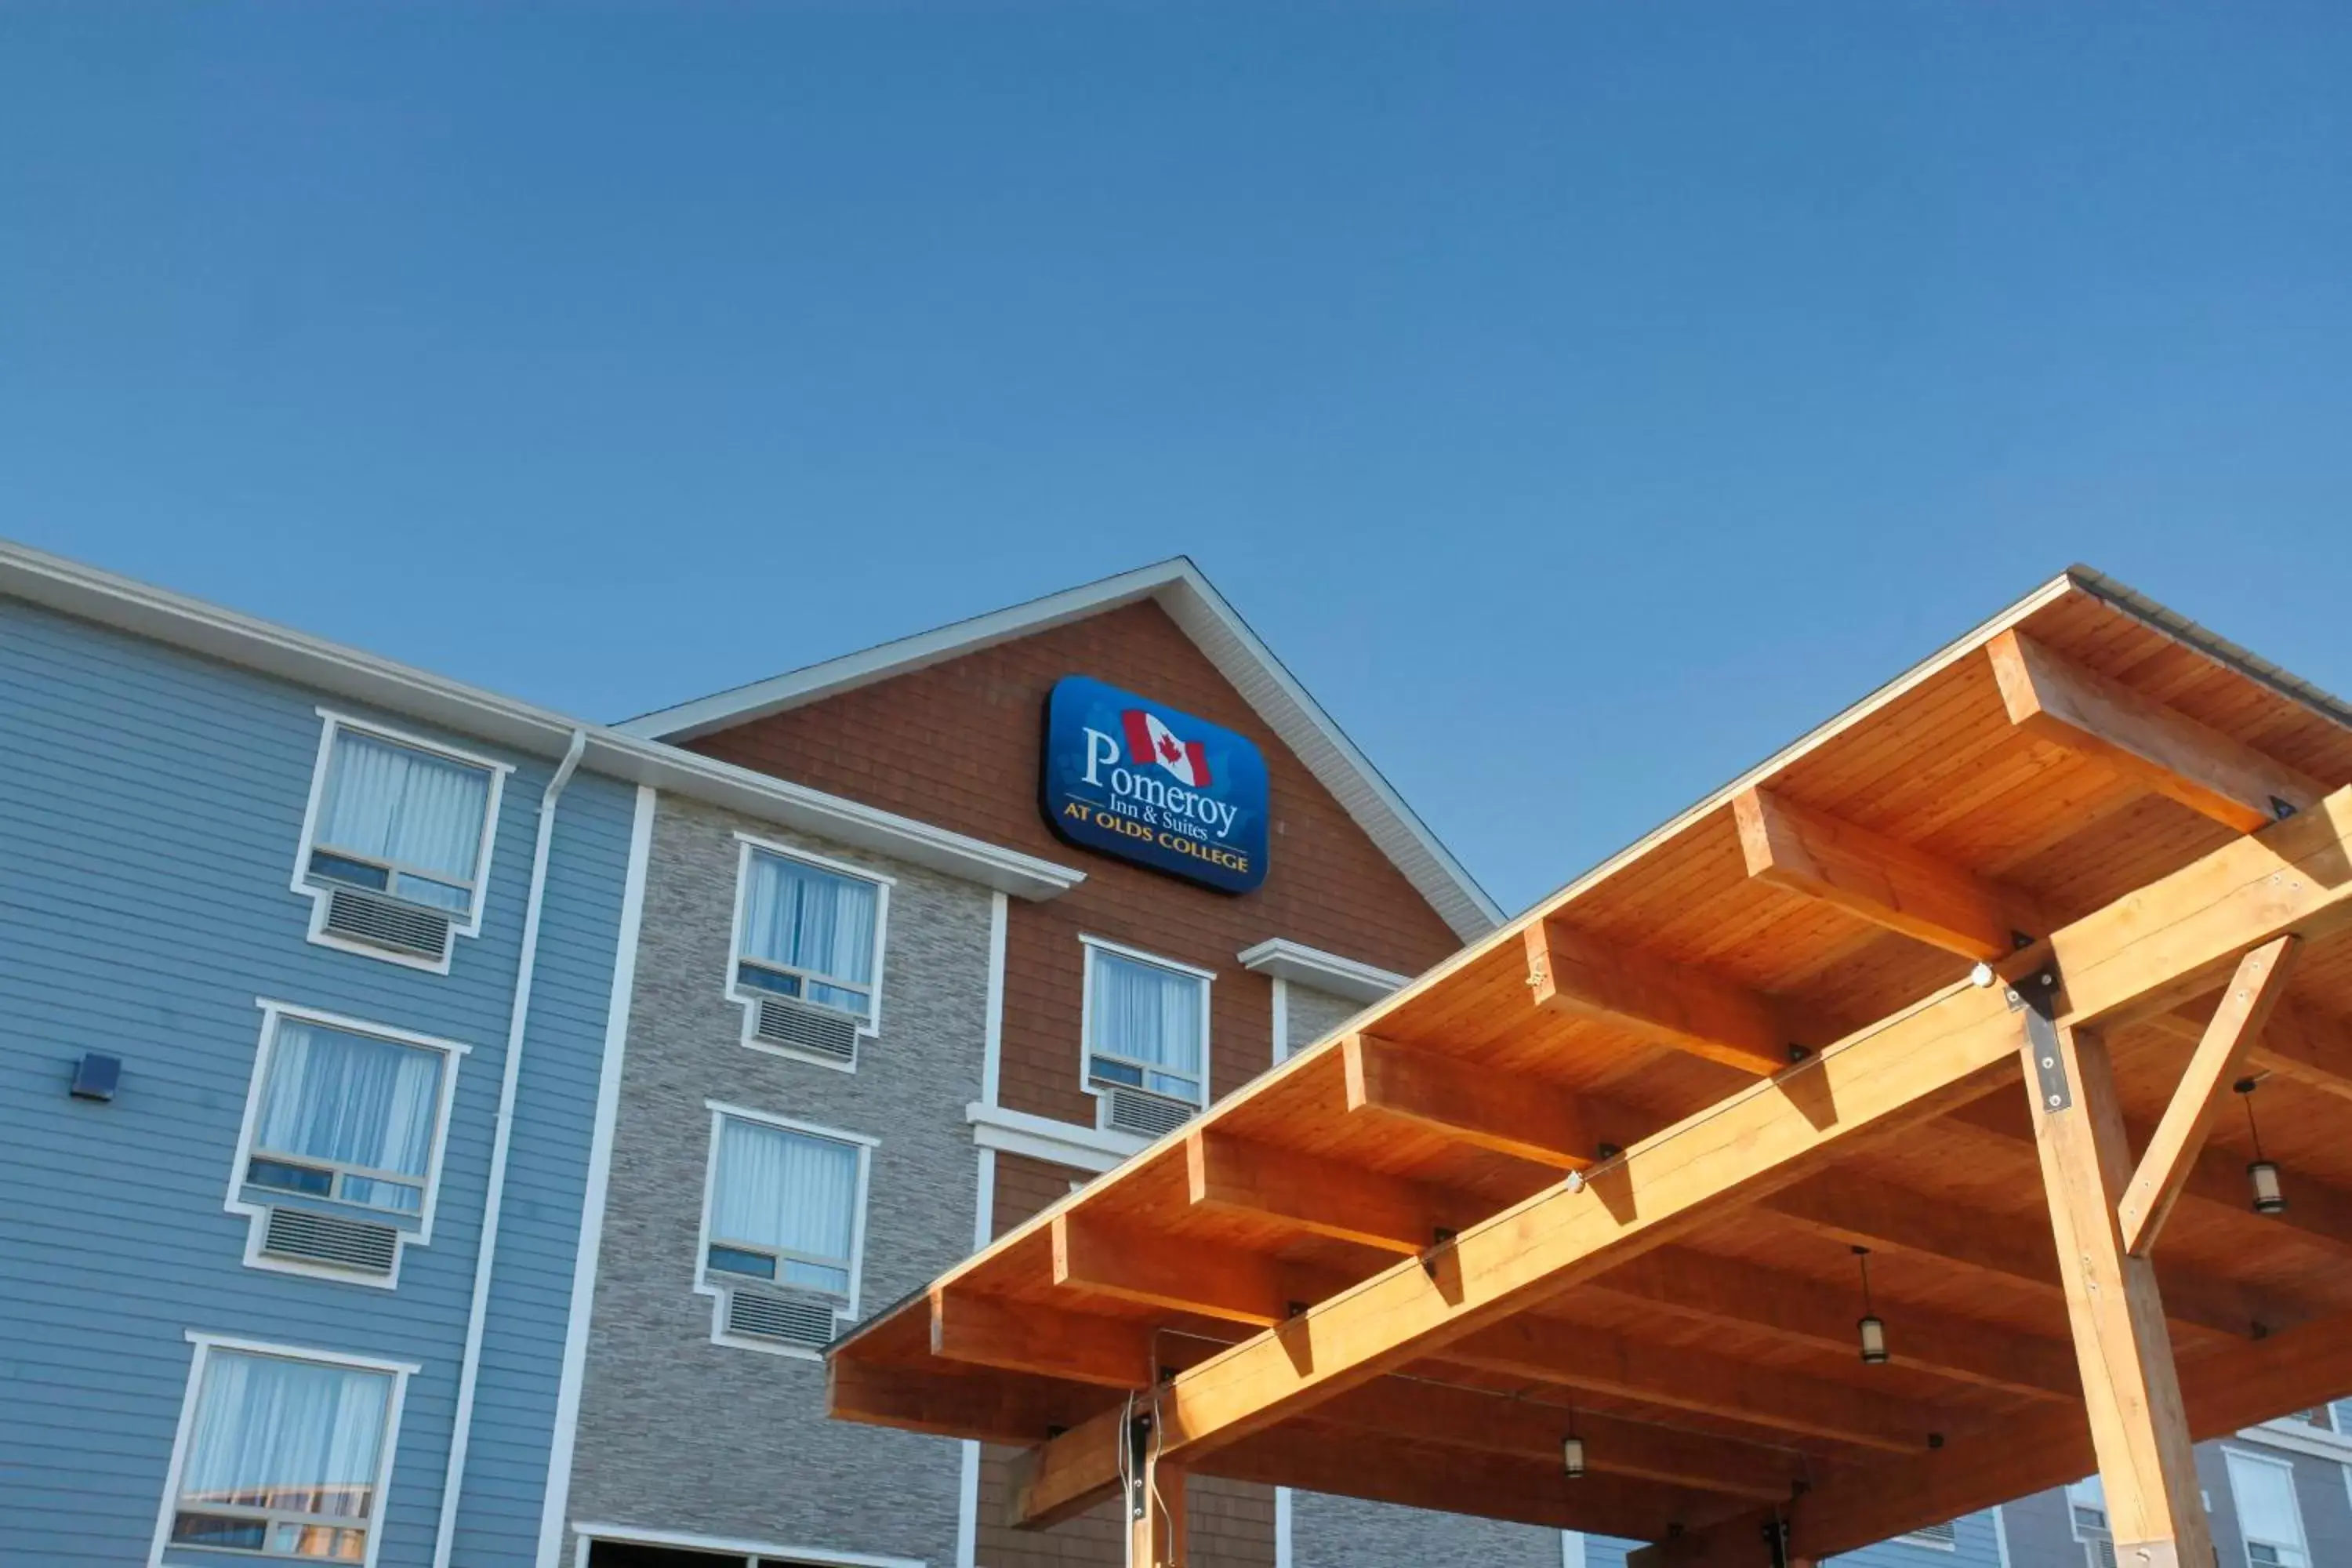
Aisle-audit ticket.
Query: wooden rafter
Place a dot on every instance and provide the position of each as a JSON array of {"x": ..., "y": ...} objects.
[
  {"x": 1318, "y": 1196},
  {"x": 1228, "y": 1283},
  {"x": 1695, "y": 1284},
  {"x": 986, "y": 1331},
  {"x": 1568, "y": 1356},
  {"x": 1509, "y": 1116},
  {"x": 1576, "y": 973},
  {"x": 2056, "y": 700},
  {"x": 1880, "y": 880},
  {"x": 2170, "y": 1158},
  {"x": 2167, "y": 941}
]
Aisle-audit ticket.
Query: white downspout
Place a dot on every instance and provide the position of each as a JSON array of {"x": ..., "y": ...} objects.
[{"x": 486, "y": 1254}]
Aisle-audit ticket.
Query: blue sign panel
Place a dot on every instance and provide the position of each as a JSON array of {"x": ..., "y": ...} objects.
[{"x": 1129, "y": 777}]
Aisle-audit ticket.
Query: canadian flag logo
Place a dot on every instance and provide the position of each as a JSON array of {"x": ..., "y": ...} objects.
[{"x": 1150, "y": 741}]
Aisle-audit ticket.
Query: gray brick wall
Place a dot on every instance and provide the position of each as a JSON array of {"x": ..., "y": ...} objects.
[{"x": 678, "y": 1433}]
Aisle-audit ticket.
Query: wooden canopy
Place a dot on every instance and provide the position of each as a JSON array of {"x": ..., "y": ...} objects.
[{"x": 1965, "y": 978}]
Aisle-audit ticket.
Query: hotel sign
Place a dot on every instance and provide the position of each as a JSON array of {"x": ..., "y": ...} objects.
[{"x": 1129, "y": 778}]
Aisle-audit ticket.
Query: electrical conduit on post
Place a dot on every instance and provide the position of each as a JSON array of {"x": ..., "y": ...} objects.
[{"x": 486, "y": 1253}]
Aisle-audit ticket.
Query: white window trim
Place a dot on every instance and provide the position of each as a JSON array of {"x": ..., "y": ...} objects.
[
  {"x": 1928, "y": 1544},
  {"x": 204, "y": 1345},
  {"x": 719, "y": 1290},
  {"x": 335, "y": 722},
  {"x": 1208, "y": 979},
  {"x": 756, "y": 1553},
  {"x": 2231, "y": 1451},
  {"x": 750, "y": 844},
  {"x": 256, "y": 1212}
]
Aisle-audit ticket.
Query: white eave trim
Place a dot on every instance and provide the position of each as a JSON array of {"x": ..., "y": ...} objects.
[
  {"x": 1286, "y": 960},
  {"x": 2300, "y": 1438},
  {"x": 1042, "y": 1138},
  {"x": 1220, "y": 632},
  {"x": 73, "y": 589}
]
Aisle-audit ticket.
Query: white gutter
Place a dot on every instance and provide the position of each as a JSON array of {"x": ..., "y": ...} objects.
[{"x": 485, "y": 1254}]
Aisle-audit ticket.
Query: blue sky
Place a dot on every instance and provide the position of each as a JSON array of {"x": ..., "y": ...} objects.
[{"x": 1583, "y": 399}]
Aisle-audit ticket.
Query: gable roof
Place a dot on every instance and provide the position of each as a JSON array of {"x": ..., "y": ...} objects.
[{"x": 1204, "y": 614}]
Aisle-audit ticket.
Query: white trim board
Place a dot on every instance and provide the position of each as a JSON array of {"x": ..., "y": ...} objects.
[
  {"x": 1321, "y": 971},
  {"x": 71, "y": 588},
  {"x": 769, "y": 1552},
  {"x": 1204, "y": 615},
  {"x": 1055, "y": 1142},
  {"x": 556, "y": 1499}
]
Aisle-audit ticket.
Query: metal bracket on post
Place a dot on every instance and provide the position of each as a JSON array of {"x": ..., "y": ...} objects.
[
  {"x": 1138, "y": 1458},
  {"x": 2036, "y": 994},
  {"x": 1776, "y": 1540}
]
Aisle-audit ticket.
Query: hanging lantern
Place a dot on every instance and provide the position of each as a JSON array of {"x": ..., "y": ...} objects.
[
  {"x": 2262, "y": 1175},
  {"x": 1871, "y": 1329},
  {"x": 1571, "y": 1452}
]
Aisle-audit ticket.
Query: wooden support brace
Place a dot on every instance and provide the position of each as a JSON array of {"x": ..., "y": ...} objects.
[
  {"x": 2131, "y": 1387},
  {"x": 1878, "y": 880},
  {"x": 1689, "y": 1008},
  {"x": 1319, "y": 1197},
  {"x": 1213, "y": 1281},
  {"x": 986, "y": 1331},
  {"x": 2054, "y": 698},
  {"x": 2170, "y": 1157}
]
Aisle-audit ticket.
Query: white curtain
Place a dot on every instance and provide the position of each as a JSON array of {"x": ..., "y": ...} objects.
[
  {"x": 788, "y": 1191},
  {"x": 356, "y": 1100},
  {"x": 391, "y": 803},
  {"x": 1147, "y": 1014},
  {"x": 273, "y": 1433},
  {"x": 2266, "y": 1506},
  {"x": 811, "y": 920}
]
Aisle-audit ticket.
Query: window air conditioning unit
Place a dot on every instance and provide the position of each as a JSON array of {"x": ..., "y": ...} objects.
[
  {"x": 337, "y": 1243},
  {"x": 1946, "y": 1534},
  {"x": 1149, "y": 1115},
  {"x": 820, "y": 1031},
  {"x": 393, "y": 924},
  {"x": 788, "y": 1320}
]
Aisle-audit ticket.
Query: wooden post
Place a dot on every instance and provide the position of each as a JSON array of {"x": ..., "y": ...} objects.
[
  {"x": 2131, "y": 1389},
  {"x": 1155, "y": 1514}
]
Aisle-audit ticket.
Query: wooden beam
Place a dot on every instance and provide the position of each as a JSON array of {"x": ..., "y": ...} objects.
[
  {"x": 2171, "y": 1155},
  {"x": 1323, "y": 1457},
  {"x": 1418, "y": 1410},
  {"x": 1570, "y": 1356},
  {"x": 954, "y": 1405},
  {"x": 1107, "y": 1352},
  {"x": 1696, "y": 1285},
  {"x": 1318, "y": 1196},
  {"x": 1893, "y": 1219},
  {"x": 2131, "y": 1388},
  {"x": 2296, "y": 877},
  {"x": 1196, "y": 1276},
  {"x": 2307, "y": 1049},
  {"x": 1879, "y": 880},
  {"x": 1509, "y": 1114},
  {"x": 2056, "y": 700},
  {"x": 1686, "y": 1007}
]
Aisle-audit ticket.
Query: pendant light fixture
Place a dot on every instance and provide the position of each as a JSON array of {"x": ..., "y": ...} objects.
[
  {"x": 1571, "y": 1452},
  {"x": 1872, "y": 1329},
  {"x": 2261, "y": 1174}
]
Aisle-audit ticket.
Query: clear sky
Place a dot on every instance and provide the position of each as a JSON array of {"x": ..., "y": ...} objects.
[{"x": 1583, "y": 399}]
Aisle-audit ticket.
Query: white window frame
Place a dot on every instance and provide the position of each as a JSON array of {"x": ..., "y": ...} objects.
[
  {"x": 2232, "y": 1455},
  {"x": 333, "y": 724},
  {"x": 416, "y": 1229},
  {"x": 1919, "y": 1542},
  {"x": 748, "y": 846},
  {"x": 204, "y": 1345},
  {"x": 720, "y": 1288},
  {"x": 1208, "y": 979},
  {"x": 755, "y": 1553}
]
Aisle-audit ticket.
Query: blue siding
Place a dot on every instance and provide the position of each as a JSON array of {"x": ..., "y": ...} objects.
[{"x": 150, "y": 810}]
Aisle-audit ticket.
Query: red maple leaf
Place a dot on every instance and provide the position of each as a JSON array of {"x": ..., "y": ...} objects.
[{"x": 1170, "y": 749}]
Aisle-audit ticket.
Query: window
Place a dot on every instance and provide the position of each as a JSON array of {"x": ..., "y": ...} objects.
[
  {"x": 1146, "y": 1024},
  {"x": 1937, "y": 1537},
  {"x": 282, "y": 1454},
  {"x": 2267, "y": 1515},
  {"x": 2086, "y": 1510},
  {"x": 398, "y": 836},
  {"x": 808, "y": 952},
  {"x": 344, "y": 1129},
  {"x": 783, "y": 1227}
]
